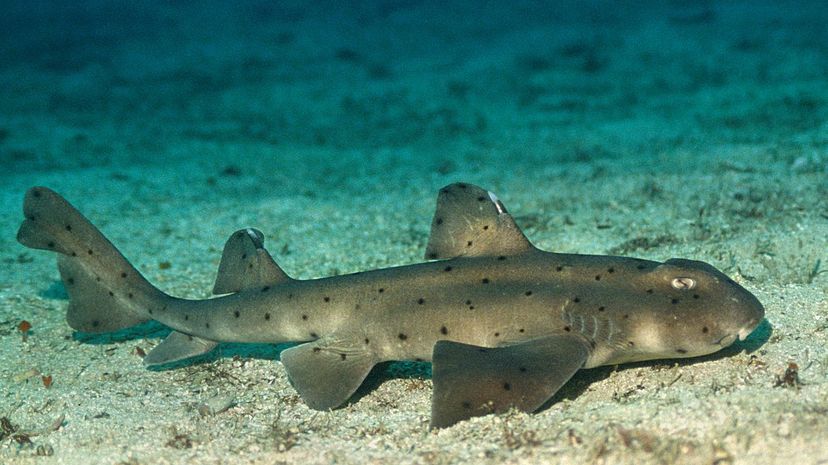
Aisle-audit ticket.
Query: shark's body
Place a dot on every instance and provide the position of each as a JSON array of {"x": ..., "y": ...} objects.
[{"x": 505, "y": 324}]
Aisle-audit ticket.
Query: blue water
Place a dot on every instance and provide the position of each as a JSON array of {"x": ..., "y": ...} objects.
[{"x": 442, "y": 88}]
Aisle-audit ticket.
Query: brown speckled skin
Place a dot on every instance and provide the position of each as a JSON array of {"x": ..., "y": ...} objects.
[{"x": 489, "y": 288}]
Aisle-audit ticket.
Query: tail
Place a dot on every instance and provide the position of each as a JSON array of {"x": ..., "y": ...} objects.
[{"x": 106, "y": 293}]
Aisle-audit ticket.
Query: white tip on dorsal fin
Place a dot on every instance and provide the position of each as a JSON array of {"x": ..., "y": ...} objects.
[
  {"x": 470, "y": 221},
  {"x": 245, "y": 264}
]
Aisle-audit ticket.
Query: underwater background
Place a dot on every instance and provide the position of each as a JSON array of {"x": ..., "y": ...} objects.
[{"x": 656, "y": 129}]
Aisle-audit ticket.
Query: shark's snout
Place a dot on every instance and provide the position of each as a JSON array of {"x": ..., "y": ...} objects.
[{"x": 748, "y": 328}]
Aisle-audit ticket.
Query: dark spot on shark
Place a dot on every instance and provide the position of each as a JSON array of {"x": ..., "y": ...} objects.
[
  {"x": 244, "y": 256},
  {"x": 36, "y": 192},
  {"x": 507, "y": 386},
  {"x": 316, "y": 350},
  {"x": 443, "y": 330},
  {"x": 314, "y": 335},
  {"x": 695, "y": 296},
  {"x": 95, "y": 323},
  {"x": 522, "y": 369},
  {"x": 447, "y": 269},
  {"x": 343, "y": 357},
  {"x": 402, "y": 336},
  {"x": 576, "y": 299},
  {"x": 481, "y": 198},
  {"x": 567, "y": 328},
  {"x": 367, "y": 341},
  {"x": 439, "y": 221},
  {"x": 266, "y": 288},
  {"x": 501, "y": 257},
  {"x": 236, "y": 314},
  {"x": 466, "y": 405},
  {"x": 485, "y": 280},
  {"x": 681, "y": 351},
  {"x": 527, "y": 293},
  {"x": 469, "y": 244},
  {"x": 267, "y": 316},
  {"x": 186, "y": 317},
  {"x": 123, "y": 274},
  {"x": 674, "y": 301},
  {"x": 432, "y": 255},
  {"x": 130, "y": 295},
  {"x": 381, "y": 290},
  {"x": 601, "y": 308},
  {"x": 111, "y": 294},
  {"x": 68, "y": 227},
  {"x": 631, "y": 343},
  {"x": 496, "y": 334},
  {"x": 705, "y": 330},
  {"x": 486, "y": 227},
  {"x": 70, "y": 281},
  {"x": 649, "y": 291},
  {"x": 51, "y": 245},
  {"x": 326, "y": 299},
  {"x": 640, "y": 267},
  {"x": 421, "y": 301},
  {"x": 559, "y": 268},
  {"x": 89, "y": 252},
  {"x": 305, "y": 317},
  {"x": 207, "y": 325},
  {"x": 597, "y": 277},
  {"x": 610, "y": 270}
]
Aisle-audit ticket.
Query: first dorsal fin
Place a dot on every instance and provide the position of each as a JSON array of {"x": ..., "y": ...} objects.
[
  {"x": 470, "y": 221},
  {"x": 245, "y": 264}
]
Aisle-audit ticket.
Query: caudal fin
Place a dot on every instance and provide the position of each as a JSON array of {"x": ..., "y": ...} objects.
[{"x": 106, "y": 292}]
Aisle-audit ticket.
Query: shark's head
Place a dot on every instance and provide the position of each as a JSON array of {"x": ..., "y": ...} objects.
[{"x": 702, "y": 311}]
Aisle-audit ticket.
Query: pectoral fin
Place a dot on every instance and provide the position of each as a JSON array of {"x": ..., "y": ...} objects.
[
  {"x": 473, "y": 381},
  {"x": 328, "y": 371}
]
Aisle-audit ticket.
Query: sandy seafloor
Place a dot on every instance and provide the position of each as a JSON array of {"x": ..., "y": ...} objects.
[{"x": 659, "y": 130}]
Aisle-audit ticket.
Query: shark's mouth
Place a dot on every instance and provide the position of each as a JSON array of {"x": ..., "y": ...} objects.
[
  {"x": 740, "y": 335},
  {"x": 747, "y": 329}
]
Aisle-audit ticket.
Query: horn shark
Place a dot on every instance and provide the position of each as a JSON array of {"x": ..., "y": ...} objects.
[{"x": 504, "y": 324}]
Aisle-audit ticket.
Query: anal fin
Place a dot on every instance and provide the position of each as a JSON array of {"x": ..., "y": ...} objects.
[
  {"x": 178, "y": 346},
  {"x": 328, "y": 371},
  {"x": 472, "y": 381}
]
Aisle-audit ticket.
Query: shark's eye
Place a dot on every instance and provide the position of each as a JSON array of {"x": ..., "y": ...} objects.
[{"x": 683, "y": 284}]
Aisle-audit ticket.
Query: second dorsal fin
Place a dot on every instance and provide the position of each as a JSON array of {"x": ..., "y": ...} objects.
[
  {"x": 470, "y": 221},
  {"x": 245, "y": 264}
]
